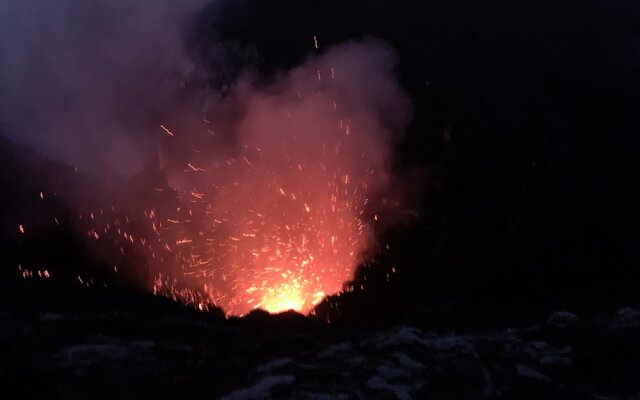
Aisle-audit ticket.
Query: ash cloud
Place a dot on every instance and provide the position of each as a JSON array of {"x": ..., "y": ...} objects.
[
  {"x": 286, "y": 210},
  {"x": 90, "y": 83},
  {"x": 347, "y": 88},
  {"x": 83, "y": 80}
]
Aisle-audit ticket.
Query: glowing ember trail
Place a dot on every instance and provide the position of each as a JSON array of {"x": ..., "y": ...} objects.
[
  {"x": 284, "y": 230},
  {"x": 280, "y": 220}
]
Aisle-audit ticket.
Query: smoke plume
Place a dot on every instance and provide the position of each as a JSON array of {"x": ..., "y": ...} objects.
[
  {"x": 82, "y": 79},
  {"x": 286, "y": 211},
  {"x": 273, "y": 188}
]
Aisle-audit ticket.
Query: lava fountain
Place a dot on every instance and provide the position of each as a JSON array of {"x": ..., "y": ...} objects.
[
  {"x": 283, "y": 225},
  {"x": 268, "y": 194},
  {"x": 281, "y": 218}
]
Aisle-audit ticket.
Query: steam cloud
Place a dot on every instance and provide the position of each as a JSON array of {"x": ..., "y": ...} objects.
[{"x": 82, "y": 79}]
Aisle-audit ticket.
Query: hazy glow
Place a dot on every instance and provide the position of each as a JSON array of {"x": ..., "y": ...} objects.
[{"x": 282, "y": 217}]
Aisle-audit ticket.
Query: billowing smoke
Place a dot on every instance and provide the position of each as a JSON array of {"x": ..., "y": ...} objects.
[
  {"x": 286, "y": 212},
  {"x": 81, "y": 80},
  {"x": 273, "y": 190}
]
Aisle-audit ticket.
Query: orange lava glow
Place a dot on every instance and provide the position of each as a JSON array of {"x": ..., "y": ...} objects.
[
  {"x": 283, "y": 299},
  {"x": 278, "y": 219},
  {"x": 275, "y": 235}
]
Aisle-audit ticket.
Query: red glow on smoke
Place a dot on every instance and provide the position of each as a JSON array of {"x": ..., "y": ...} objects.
[
  {"x": 264, "y": 191},
  {"x": 282, "y": 227},
  {"x": 281, "y": 220},
  {"x": 267, "y": 201}
]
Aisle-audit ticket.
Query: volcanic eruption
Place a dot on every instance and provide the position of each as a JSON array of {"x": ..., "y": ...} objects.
[
  {"x": 281, "y": 217},
  {"x": 273, "y": 185}
]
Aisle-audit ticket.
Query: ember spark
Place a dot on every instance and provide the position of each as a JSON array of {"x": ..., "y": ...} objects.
[{"x": 282, "y": 220}]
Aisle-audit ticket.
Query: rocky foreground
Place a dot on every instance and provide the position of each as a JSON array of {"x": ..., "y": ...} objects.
[{"x": 73, "y": 342}]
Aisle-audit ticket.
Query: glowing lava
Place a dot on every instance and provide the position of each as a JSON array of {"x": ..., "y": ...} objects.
[
  {"x": 279, "y": 218},
  {"x": 276, "y": 235},
  {"x": 282, "y": 299}
]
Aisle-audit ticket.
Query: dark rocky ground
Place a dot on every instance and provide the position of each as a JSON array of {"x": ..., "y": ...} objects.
[{"x": 73, "y": 342}]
